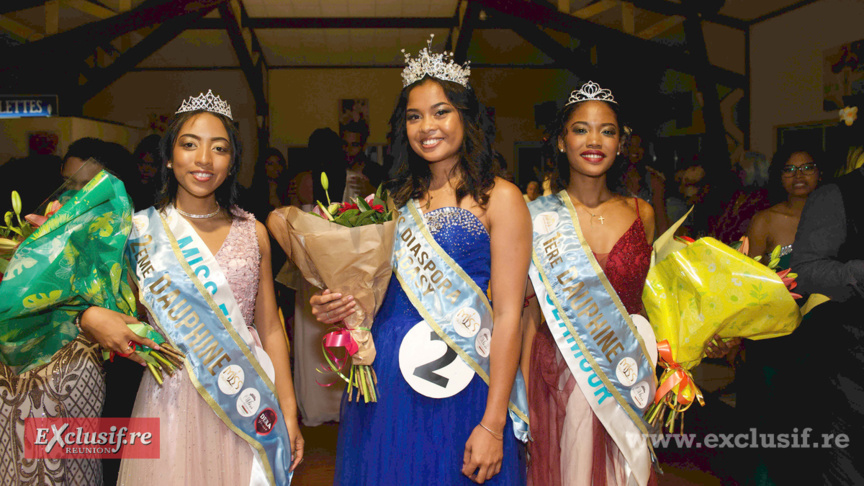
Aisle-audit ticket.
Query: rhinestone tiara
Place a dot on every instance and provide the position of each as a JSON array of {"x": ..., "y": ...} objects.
[
  {"x": 439, "y": 66},
  {"x": 208, "y": 102},
  {"x": 591, "y": 91}
]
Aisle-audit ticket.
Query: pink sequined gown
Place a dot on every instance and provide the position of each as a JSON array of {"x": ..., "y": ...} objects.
[
  {"x": 196, "y": 447},
  {"x": 570, "y": 446}
]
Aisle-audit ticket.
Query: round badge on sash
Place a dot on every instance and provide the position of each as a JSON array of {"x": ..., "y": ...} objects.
[{"x": 430, "y": 366}]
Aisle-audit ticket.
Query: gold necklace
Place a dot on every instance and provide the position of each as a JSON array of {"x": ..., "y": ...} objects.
[{"x": 601, "y": 218}]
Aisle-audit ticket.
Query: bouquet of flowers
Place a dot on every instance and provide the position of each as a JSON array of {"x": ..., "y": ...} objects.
[
  {"x": 345, "y": 247},
  {"x": 61, "y": 260},
  {"x": 699, "y": 289}
]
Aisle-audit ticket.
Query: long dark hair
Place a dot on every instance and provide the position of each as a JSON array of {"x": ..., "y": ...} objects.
[
  {"x": 556, "y": 130},
  {"x": 476, "y": 167},
  {"x": 226, "y": 194}
]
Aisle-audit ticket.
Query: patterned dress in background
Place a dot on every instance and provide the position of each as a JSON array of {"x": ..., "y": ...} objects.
[{"x": 72, "y": 384}]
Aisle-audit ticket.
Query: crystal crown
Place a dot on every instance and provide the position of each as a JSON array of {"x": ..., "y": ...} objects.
[
  {"x": 591, "y": 91},
  {"x": 208, "y": 102},
  {"x": 439, "y": 66}
]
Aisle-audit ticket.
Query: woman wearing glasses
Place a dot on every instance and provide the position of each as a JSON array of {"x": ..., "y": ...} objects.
[
  {"x": 764, "y": 378},
  {"x": 793, "y": 169}
]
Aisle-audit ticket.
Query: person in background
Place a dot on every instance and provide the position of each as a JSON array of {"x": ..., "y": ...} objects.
[
  {"x": 326, "y": 155},
  {"x": 147, "y": 155},
  {"x": 362, "y": 175},
  {"x": 269, "y": 189},
  {"x": 827, "y": 350},
  {"x": 532, "y": 191},
  {"x": 110, "y": 156},
  {"x": 795, "y": 170}
]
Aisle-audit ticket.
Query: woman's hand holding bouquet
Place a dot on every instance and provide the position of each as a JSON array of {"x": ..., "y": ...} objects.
[
  {"x": 346, "y": 248},
  {"x": 703, "y": 291},
  {"x": 63, "y": 262}
]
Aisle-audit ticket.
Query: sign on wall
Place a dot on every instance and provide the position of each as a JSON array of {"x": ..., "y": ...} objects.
[{"x": 19, "y": 106}]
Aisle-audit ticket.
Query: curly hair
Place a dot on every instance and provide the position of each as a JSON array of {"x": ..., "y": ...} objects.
[
  {"x": 561, "y": 170},
  {"x": 476, "y": 168},
  {"x": 227, "y": 194}
]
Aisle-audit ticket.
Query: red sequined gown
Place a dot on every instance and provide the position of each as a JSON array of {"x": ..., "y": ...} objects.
[{"x": 570, "y": 446}]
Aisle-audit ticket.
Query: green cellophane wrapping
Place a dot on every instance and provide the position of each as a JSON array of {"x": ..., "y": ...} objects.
[{"x": 73, "y": 261}]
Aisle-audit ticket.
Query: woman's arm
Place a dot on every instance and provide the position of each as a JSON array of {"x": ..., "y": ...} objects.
[
  {"x": 275, "y": 343},
  {"x": 510, "y": 235},
  {"x": 646, "y": 214},
  {"x": 530, "y": 323},
  {"x": 757, "y": 234}
]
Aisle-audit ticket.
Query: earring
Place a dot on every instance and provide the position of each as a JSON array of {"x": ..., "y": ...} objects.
[
  {"x": 169, "y": 165},
  {"x": 562, "y": 150}
]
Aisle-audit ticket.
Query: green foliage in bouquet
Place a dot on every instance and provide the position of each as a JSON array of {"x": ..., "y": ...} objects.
[{"x": 371, "y": 210}]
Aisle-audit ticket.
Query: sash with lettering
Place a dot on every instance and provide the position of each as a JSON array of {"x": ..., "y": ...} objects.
[
  {"x": 592, "y": 329},
  {"x": 451, "y": 304},
  {"x": 181, "y": 285}
]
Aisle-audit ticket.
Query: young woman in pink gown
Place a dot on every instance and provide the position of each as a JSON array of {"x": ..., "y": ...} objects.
[{"x": 201, "y": 152}]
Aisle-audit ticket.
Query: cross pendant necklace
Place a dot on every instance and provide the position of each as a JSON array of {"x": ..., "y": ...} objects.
[{"x": 601, "y": 218}]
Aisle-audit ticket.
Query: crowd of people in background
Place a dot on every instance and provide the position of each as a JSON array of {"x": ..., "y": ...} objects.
[{"x": 789, "y": 200}]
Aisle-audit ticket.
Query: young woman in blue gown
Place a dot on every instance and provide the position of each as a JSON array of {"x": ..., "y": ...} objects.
[{"x": 447, "y": 168}]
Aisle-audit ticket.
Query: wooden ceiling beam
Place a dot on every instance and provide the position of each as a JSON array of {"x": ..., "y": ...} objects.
[
  {"x": 7, "y": 6},
  {"x": 628, "y": 17},
  {"x": 673, "y": 57},
  {"x": 338, "y": 23},
  {"x": 90, "y": 8},
  {"x": 579, "y": 65},
  {"x": 245, "y": 48},
  {"x": 669, "y": 8},
  {"x": 595, "y": 9},
  {"x": 100, "y": 78},
  {"x": 466, "y": 30},
  {"x": 658, "y": 28},
  {"x": 18, "y": 30}
]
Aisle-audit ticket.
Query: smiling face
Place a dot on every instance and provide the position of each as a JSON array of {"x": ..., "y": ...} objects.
[
  {"x": 591, "y": 139},
  {"x": 201, "y": 157},
  {"x": 434, "y": 126},
  {"x": 799, "y": 183}
]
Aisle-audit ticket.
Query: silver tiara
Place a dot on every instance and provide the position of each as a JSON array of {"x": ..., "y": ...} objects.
[
  {"x": 591, "y": 91},
  {"x": 208, "y": 102},
  {"x": 439, "y": 66}
]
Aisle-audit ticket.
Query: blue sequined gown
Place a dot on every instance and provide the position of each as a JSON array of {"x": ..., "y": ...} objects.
[{"x": 407, "y": 438}]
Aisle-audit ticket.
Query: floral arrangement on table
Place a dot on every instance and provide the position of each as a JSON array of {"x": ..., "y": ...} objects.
[
  {"x": 58, "y": 262},
  {"x": 701, "y": 289},
  {"x": 345, "y": 247}
]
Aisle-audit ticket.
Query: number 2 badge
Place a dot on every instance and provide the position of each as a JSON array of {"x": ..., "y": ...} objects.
[{"x": 430, "y": 366}]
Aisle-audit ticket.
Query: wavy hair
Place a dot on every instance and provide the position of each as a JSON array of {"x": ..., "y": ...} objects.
[
  {"x": 476, "y": 168},
  {"x": 561, "y": 171},
  {"x": 227, "y": 194}
]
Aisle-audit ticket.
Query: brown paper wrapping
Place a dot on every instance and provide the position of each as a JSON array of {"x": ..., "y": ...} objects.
[{"x": 350, "y": 261}]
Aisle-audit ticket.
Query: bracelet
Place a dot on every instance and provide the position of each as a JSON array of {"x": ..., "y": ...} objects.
[
  {"x": 494, "y": 434},
  {"x": 77, "y": 319}
]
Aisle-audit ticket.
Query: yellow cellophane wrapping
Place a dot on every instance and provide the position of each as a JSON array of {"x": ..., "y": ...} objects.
[{"x": 709, "y": 288}]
